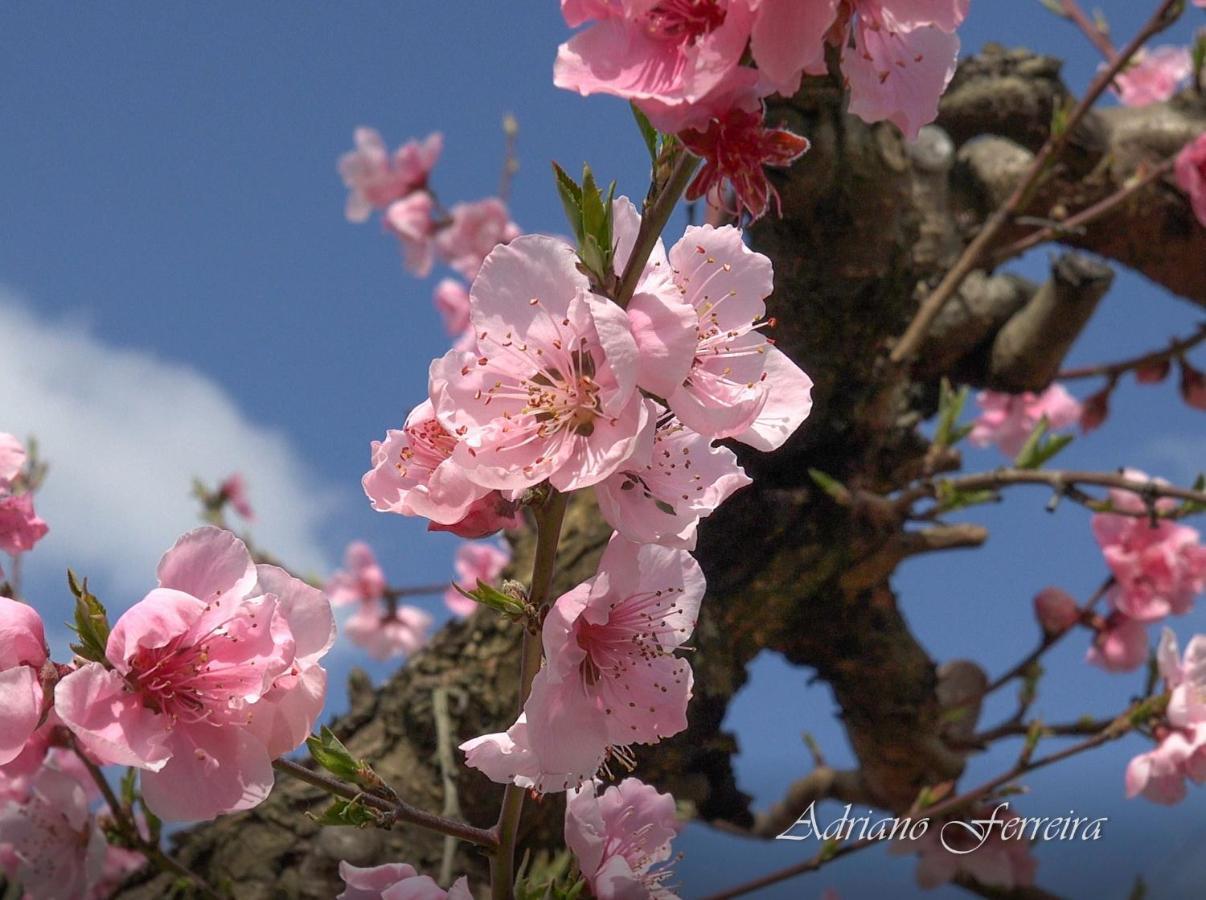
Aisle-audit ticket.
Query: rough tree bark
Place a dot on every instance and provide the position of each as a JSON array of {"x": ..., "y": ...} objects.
[{"x": 869, "y": 224}]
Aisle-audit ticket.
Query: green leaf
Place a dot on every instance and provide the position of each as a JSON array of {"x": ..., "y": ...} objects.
[
  {"x": 129, "y": 782},
  {"x": 950, "y": 407},
  {"x": 488, "y": 595},
  {"x": 91, "y": 622},
  {"x": 1029, "y": 452},
  {"x": 951, "y": 498},
  {"x": 648, "y": 132},
  {"x": 571, "y": 199},
  {"x": 331, "y": 754},
  {"x": 346, "y": 812},
  {"x": 830, "y": 486}
]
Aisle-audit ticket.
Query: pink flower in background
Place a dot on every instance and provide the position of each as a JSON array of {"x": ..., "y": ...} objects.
[
  {"x": 57, "y": 851},
  {"x": 1184, "y": 677},
  {"x": 234, "y": 491},
  {"x": 374, "y": 179},
  {"x": 213, "y": 674},
  {"x": 1158, "y": 570},
  {"x": 788, "y": 40},
  {"x": 1055, "y": 610},
  {"x": 553, "y": 392},
  {"x": 20, "y": 526},
  {"x": 672, "y": 52},
  {"x": 475, "y": 230},
  {"x": 413, "y": 475},
  {"x": 410, "y": 220},
  {"x": 993, "y": 860},
  {"x": 22, "y": 655},
  {"x": 1153, "y": 75},
  {"x": 1007, "y": 420},
  {"x": 452, "y": 300},
  {"x": 396, "y": 881},
  {"x": 611, "y": 678},
  {"x": 360, "y": 580},
  {"x": 473, "y": 563},
  {"x": 1119, "y": 647},
  {"x": 1190, "y": 169},
  {"x": 491, "y": 514},
  {"x": 1159, "y": 774},
  {"x": 664, "y": 502},
  {"x": 621, "y": 839},
  {"x": 12, "y": 458},
  {"x": 385, "y": 633},
  {"x": 738, "y": 385}
]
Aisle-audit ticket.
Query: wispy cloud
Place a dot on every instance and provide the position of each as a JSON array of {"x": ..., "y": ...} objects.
[{"x": 125, "y": 431}]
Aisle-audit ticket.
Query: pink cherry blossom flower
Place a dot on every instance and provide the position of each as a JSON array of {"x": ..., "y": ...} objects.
[
  {"x": 22, "y": 655},
  {"x": 738, "y": 385},
  {"x": 475, "y": 230},
  {"x": 234, "y": 491},
  {"x": 1158, "y": 567},
  {"x": 473, "y": 563},
  {"x": 1159, "y": 774},
  {"x": 673, "y": 52},
  {"x": 396, "y": 881},
  {"x": 993, "y": 859},
  {"x": 410, "y": 220},
  {"x": 1152, "y": 76},
  {"x": 788, "y": 39},
  {"x": 1184, "y": 677},
  {"x": 388, "y": 633},
  {"x": 413, "y": 475},
  {"x": 20, "y": 527},
  {"x": 58, "y": 850},
  {"x": 207, "y": 679},
  {"x": 664, "y": 502},
  {"x": 611, "y": 678},
  {"x": 621, "y": 839},
  {"x": 360, "y": 580},
  {"x": 12, "y": 458},
  {"x": 1007, "y": 420},
  {"x": 1121, "y": 646},
  {"x": 1055, "y": 610},
  {"x": 374, "y": 180},
  {"x": 553, "y": 392},
  {"x": 1190, "y": 169},
  {"x": 452, "y": 300}
]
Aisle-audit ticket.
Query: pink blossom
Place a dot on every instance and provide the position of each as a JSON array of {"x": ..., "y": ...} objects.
[
  {"x": 1184, "y": 677},
  {"x": 1007, "y": 420},
  {"x": 1152, "y": 76},
  {"x": 234, "y": 491},
  {"x": 1193, "y": 385},
  {"x": 1190, "y": 169},
  {"x": 387, "y": 633},
  {"x": 473, "y": 563},
  {"x": 621, "y": 839},
  {"x": 1159, "y": 774},
  {"x": 553, "y": 392},
  {"x": 22, "y": 655},
  {"x": 57, "y": 848},
  {"x": 20, "y": 526},
  {"x": 475, "y": 230},
  {"x": 360, "y": 580},
  {"x": 663, "y": 502},
  {"x": 1000, "y": 859},
  {"x": 1121, "y": 646},
  {"x": 12, "y": 459},
  {"x": 672, "y": 52},
  {"x": 413, "y": 475},
  {"x": 452, "y": 300},
  {"x": 788, "y": 40},
  {"x": 611, "y": 678},
  {"x": 738, "y": 385},
  {"x": 1055, "y": 610},
  {"x": 207, "y": 679},
  {"x": 396, "y": 881},
  {"x": 1158, "y": 567},
  {"x": 374, "y": 180},
  {"x": 410, "y": 219}
]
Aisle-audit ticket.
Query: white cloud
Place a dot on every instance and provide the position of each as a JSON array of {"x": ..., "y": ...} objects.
[{"x": 125, "y": 432}]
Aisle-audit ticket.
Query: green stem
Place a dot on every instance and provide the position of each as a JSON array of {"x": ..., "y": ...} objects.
[{"x": 548, "y": 534}]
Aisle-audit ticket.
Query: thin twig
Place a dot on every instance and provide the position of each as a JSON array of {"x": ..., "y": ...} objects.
[
  {"x": 911, "y": 340},
  {"x": 1063, "y": 480},
  {"x": 452, "y": 806},
  {"x": 398, "y": 810},
  {"x": 1071, "y": 10},
  {"x": 1114, "y": 370}
]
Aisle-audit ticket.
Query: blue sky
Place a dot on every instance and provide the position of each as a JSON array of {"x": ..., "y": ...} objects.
[{"x": 181, "y": 295}]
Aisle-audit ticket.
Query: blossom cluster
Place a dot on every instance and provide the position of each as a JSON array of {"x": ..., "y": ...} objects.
[
  {"x": 684, "y": 64},
  {"x": 20, "y": 526},
  {"x": 1008, "y": 420}
]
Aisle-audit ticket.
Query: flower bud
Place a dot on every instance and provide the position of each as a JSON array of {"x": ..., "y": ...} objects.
[
  {"x": 1193, "y": 385},
  {"x": 1055, "y": 610}
]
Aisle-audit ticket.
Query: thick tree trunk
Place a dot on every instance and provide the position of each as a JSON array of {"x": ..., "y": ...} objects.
[{"x": 868, "y": 224}]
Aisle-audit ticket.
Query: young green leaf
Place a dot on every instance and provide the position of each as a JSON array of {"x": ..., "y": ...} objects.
[
  {"x": 91, "y": 622},
  {"x": 571, "y": 199},
  {"x": 648, "y": 132},
  {"x": 346, "y": 812}
]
